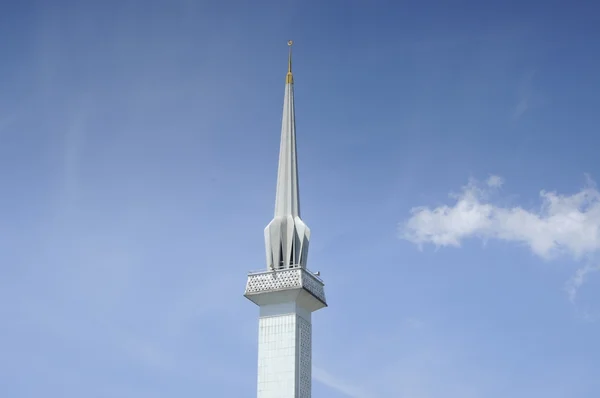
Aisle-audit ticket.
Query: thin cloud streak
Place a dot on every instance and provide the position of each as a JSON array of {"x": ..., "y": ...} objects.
[
  {"x": 525, "y": 96},
  {"x": 338, "y": 385},
  {"x": 576, "y": 281}
]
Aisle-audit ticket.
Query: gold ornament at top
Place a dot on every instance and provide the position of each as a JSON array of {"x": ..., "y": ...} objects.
[{"x": 289, "y": 78}]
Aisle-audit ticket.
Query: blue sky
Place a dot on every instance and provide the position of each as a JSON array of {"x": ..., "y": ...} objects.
[{"x": 138, "y": 163}]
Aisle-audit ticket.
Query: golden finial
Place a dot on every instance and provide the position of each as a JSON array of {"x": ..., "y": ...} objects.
[{"x": 289, "y": 78}]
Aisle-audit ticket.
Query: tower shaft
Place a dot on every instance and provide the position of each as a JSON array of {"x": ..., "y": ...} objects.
[{"x": 284, "y": 353}]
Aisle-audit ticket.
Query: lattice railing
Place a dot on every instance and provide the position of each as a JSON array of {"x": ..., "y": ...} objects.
[{"x": 290, "y": 278}]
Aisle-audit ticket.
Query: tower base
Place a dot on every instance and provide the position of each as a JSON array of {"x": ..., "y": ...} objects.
[{"x": 284, "y": 351}]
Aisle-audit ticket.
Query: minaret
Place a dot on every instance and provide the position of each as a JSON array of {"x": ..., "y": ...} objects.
[{"x": 287, "y": 293}]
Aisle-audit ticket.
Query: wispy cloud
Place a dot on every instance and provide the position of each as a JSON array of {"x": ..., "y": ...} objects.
[
  {"x": 416, "y": 365},
  {"x": 525, "y": 96},
  {"x": 74, "y": 140},
  {"x": 338, "y": 385},
  {"x": 565, "y": 224},
  {"x": 577, "y": 280},
  {"x": 414, "y": 323}
]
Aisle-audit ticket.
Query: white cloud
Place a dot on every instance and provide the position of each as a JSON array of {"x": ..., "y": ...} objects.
[{"x": 564, "y": 225}]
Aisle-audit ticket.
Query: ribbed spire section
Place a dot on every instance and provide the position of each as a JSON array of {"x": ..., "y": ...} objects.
[
  {"x": 286, "y": 237},
  {"x": 287, "y": 199}
]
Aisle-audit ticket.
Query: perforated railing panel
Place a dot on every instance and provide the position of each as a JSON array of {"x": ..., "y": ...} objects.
[
  {"x": 277, "y": 280},
  {"x": 311, "y": 284},
  {"x": 262, "y": 282}
]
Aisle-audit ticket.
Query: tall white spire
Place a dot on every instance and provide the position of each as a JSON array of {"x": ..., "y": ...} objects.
[
  {"x": 286, "y": 236},
  {"x": 287, "y": 198},
  {"x": 287, "y": 293}
]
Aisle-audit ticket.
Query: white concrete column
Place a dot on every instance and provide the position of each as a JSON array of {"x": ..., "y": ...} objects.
[{"x": 284, "y": 351}]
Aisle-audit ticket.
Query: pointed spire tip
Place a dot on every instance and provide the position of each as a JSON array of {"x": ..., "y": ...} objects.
[{"x": 289, "y": 78}]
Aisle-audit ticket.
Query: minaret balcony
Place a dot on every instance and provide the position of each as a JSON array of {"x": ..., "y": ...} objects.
[{"x": 296, "y": 283}]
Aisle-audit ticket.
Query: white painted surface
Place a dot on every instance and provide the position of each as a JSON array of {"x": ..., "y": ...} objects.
[
  {"x": 287, "y": 198},
  {"x": 284, "y": 352},
  {"x": 284, "y": 308},
  {"x": 287, "y": 293},
  {"x": 287, "y": 236}
]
